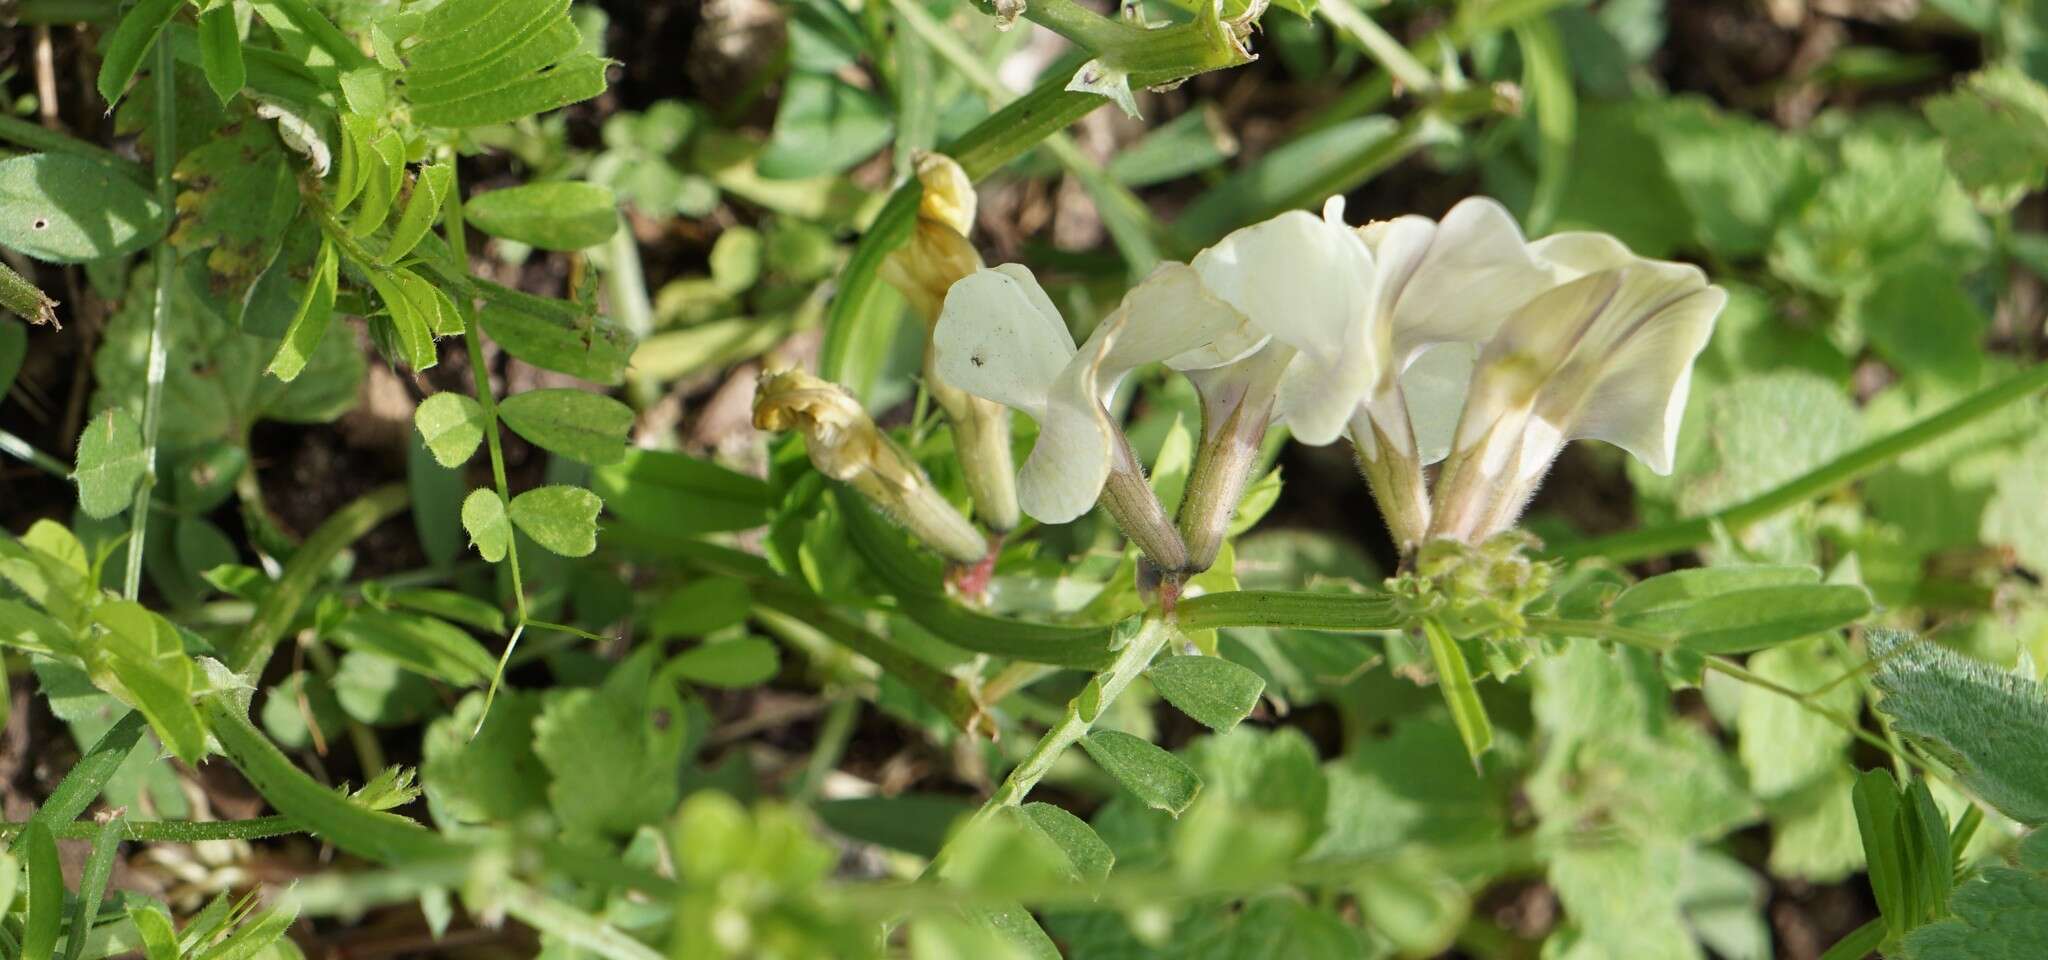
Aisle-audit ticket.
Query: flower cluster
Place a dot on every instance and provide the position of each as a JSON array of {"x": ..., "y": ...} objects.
[{"x": 1455, "y": 340}]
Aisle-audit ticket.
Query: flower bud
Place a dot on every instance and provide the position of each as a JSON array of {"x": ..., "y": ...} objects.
[{"x": 844, "y": 444}]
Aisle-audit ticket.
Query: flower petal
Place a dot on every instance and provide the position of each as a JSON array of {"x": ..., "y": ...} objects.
[
  {"x": 1639, "y": 399},
  {"x": 1308, "y": 283},
  {"x": 1456, "y": 280},
  {"x": 1000, "y": 338},
  {"x": 1433, "y": 388},
  {"x": 1069, "y": 463},
  {"x": 1167, "y": 314}
]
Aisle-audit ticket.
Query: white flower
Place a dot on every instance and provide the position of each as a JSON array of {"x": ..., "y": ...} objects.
[
  {"x": 1606, "y": 354},
  {"x": 1000, "y": 337},
  {"x": 1306, "y": 284},
  {"x": 1442, "y": 287}
]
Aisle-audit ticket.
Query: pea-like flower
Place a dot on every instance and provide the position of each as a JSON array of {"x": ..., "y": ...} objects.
[
  {"x": 1000, "y": 337},
  {"x": 1443, "y": 287},
  {"x": 1347, "y": 313},
  {"x": 1606, "y": 354},
  {"x": 844, "y": 444}
]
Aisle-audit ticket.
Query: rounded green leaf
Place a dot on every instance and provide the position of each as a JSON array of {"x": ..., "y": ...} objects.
[
  {"x": 70, "y": 209},
  {"x": 1162, "y": 780},
  {"x": 562, "y": 519},
  {"x": 589, "y": 427},
  {"x": 451, "y": 425},
  {"x": 483, "y": 515},
  {"x": 1214, "y": 691},
  {"x": 556, "y": 215},
  {"x": 110, "y": 461}
]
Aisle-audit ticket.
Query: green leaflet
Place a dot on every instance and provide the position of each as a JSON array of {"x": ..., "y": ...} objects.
[
  {"x": 556, "y": 335},
  {"x": 429, "y": 190},
  {"x": 132, "y": 40},
  {"x": 315, "y": 314},
  {"x": 1212, "y": 690},
  {"x": 92, "y": 885},
  {"x": 451, "y": 425},
  {"x": 111, "y": 460},
  {"x": 1753, "y": 619},
  {"x": 681, "y": 495},
  {"x": 427, "y": 646},
  {"x": 384, "y": 172},
  {"x": 562, "y": 519},
  {"x": 467, "y": 76},
  {"x": 535, "y": 44},
  {"x": 1090, "y": 857},
  {"x": 1162, "y": 780},
  {"x": 483, "y": 515},
  {"x": 45, "y": 893},
  {"x": 220, "y": 51},
  {"x": 556, "y": 215},
  {"x": 734, "y": 664},
  {"x": 414, "y": 312},
  {"x": 583, "y": 426}
]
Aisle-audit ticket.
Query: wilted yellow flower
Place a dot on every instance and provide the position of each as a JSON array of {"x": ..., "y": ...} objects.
[
  {"x": 844, "y": 444},
  {"x": 936, "y": 256}
]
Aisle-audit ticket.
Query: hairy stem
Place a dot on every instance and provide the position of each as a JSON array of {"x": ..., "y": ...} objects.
[
  {"x": 164, "y": 261},
  {"x": 1131, "y": 660},
  {"x": 473, "y": 342}
]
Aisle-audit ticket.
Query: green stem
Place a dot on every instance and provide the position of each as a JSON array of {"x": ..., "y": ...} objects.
[
  {"x": 383, "y": 837},
  {"x": 90, "y": 774},
  {"x": 1380, "y": 45},
  {"x": 1332, "y": 612},
  {"x": 173, "y": 831},
  {"x": 1080, "y": 715},
  {"x": 944, "y": 693},
  {"x": 1659, "y": 643},
  {"x": 579, "y": 930},
  {"x": 26, "y": 452},
  {"x": 274, "y": 614},
  {"x": 1820, "y": 481},
  {"x": 164, "y": 261},
  {"x": 473, "y": 342},
  {"x": 833, "y": 736},
  {"x": 625, "y": 288},
  {"x": 1088, "y": 29}
]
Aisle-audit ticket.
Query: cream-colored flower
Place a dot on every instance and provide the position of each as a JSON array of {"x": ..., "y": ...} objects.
[
  {"x": 1442, "y": 287},
  {"x": 1000, "y": 337},
  {"x": 1606, "y": 354},
  {"x": 1306, "y": 285},
  {"x": 844, "y": 444}
]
